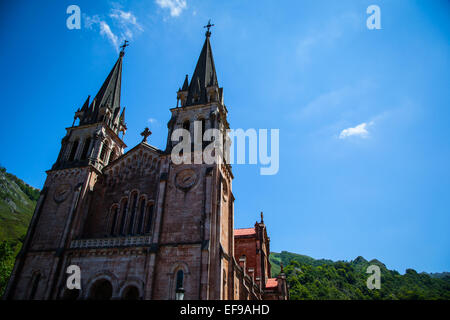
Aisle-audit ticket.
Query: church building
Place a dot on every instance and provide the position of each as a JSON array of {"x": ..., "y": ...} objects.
[{"x": 138, "y": 225}]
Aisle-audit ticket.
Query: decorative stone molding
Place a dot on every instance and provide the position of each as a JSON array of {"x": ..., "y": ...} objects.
[{"x": 111, "y": 242}]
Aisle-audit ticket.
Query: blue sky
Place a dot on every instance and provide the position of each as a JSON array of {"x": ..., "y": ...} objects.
[{"x": 363, "y": 114}]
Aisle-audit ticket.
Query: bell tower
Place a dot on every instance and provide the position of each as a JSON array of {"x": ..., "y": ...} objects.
[
  {"x": 198, "y": 210},
  {"x": 199, "y": 102},
  {"x": 90, "y": 144},
  {"x": 93, "y": 139}
]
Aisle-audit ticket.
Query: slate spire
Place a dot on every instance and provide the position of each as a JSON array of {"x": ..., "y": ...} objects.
[
  {"x": 185, "y": 84},
  {"x": 107, "y": 97},
  {"x": 204, "y": 75},
  {"x": 86, "y": 104}
]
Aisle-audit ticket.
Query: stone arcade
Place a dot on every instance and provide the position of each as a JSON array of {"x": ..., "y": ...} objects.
[{"x": 137, "y": 225}]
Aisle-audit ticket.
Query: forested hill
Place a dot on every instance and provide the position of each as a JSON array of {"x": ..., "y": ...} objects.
[
  {"x": 311, "y": 278},
  {"x": 17, "y": 202}
]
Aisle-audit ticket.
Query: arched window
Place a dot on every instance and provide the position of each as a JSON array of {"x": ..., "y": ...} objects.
[
  {"x": 130, "y": 293},
  {"x": 101, "y": 290},
  {"x": 115, "y": 213},
  {"x": 104, "y": 150},
  {"x": 148, "y": 223},
  {"x": 87, "y": 144},
  {"x": 124, "y": 216},
  {"x": 186, "y": 125},
  {"x": 73, "y": 152},
  {"x": 133, "y": 213},
  {"x": 180, "y": 279},
  {"x": 141, "y": 216},
  {"x": 34, "y": 285}
]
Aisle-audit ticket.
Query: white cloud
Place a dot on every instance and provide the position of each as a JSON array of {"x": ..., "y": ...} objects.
[
  {"x": 152, "y": 120},
  {"x": 175, "y": 6},
  {"x": 105, "y": 30},
  {"x": 90, "y": 21},
  {"x": 360, "y": 131},
  {"x": 125, "y": 20},
  {"x": 124, "y": 23}
]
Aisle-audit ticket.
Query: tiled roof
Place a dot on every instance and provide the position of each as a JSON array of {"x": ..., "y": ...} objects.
[
  {"x": 271, "y": 283},
  {"x": 244, "y": 232}
]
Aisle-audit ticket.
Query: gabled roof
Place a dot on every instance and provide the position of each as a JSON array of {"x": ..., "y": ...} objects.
[
  {"x": 142, "y": 145},
  {"x": 244, "y": 232},
  {"x": 271, "y": 283}
]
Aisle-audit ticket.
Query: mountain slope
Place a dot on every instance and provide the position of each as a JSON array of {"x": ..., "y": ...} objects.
[
  {"x": 309, "y": 278},
  {"x": 17, "y": 202}
]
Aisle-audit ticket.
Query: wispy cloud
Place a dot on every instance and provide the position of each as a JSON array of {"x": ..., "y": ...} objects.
[
  {"x": 124, "y": 23},
  {"x": 126, "y": 20},
  {"x": 175, "y": 6},
  {"x": 152, "y": 120},
  {"x": 359, "y": 131},
  {"x": 335, "y": 103},
  {"x": 105, "y": 30}
]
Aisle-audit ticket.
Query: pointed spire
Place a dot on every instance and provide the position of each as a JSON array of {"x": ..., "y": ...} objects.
[
  {"x": 204, "y": 74},
  {"x": 122, "y": 116},
  {"x": 185, "y": 84},
  {"x": 108, "y": 95},
  {"x": 110, "y": 90},
  {"x": 86, "y": 104}
]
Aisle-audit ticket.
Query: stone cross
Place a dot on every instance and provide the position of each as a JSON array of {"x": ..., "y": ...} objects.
[
  {"x": 208, "y": 26},
  {"x": 125, "y": 44},
  {"x": 146, "y": 133}
]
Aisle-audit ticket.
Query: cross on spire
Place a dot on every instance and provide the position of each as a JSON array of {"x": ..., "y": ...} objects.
[
  {"x": 146, "y": 133},
  {"x": 208, "y": 26},
  {"x": 125, "y": 44}
]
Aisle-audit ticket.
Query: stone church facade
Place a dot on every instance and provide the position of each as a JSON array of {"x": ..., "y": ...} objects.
[{"x": 138, "y": 225}]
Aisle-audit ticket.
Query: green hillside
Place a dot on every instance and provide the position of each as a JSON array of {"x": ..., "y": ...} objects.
[
  {"x": 17, "y": 202},
  {"x": 286, "y": 257},
  {"x": 309, "y": 278}
]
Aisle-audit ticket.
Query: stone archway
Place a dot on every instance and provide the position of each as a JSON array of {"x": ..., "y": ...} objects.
[
  {"x": 131, "y": 293},
  {"x": 101, "y": 290}
]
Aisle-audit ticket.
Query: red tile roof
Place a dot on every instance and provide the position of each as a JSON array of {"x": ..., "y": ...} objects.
[
  {"x": 244, "y": 232},
  {"x": 271, "y": 283}
]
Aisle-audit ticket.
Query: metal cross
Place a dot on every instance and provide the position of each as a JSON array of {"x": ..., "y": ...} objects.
[
  {"x": 208, "y": 26},
  {"x": 146, "y": 133},
  {"x": 125, "y": 44}
]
